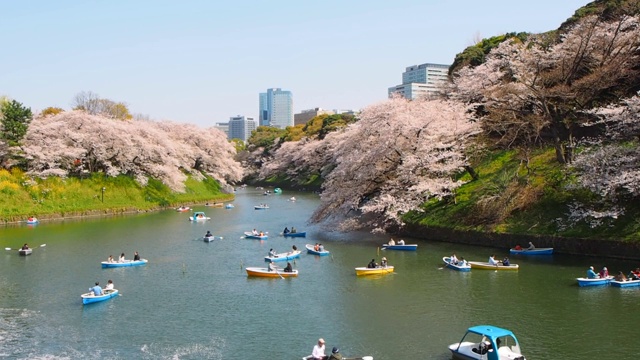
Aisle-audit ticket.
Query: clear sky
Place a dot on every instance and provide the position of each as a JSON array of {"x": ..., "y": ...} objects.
[{"x": 204, "y": 61}]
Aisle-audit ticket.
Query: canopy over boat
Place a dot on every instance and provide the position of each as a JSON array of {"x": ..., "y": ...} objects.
[
  {"x": 199, "y": 216},
  {"x": 265, "y": 272},
  {"x": 283, "y": 256},
  {"x": 536, "y": 251},
  {"x": 488, "y": 266},
  {"x": 360, "y": 271},
  {"x": 487, "y": 342},
  {"x": 106, "y": 264},
  {"x": 311, "y": 250},
  {"x": 89, "y": 298}
]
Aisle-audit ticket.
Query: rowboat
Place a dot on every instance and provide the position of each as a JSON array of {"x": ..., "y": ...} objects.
[
  {"x": 406, "y": 247},
  {"x": 480, "y": 342},
  {"x": 360, "y": 271},
  {"x": 488, "y": 266},
  {"x": 295, "y": 234},
  {"x": 277, "y": 190},
  {"x": 229, "y": 206},
  {"x": 594, "y": 282},
  {"x": 199, "y": 216},
  {"x": 536, "y": 251},
  {"x": 25, "y": 252},
  {"x": 624, "y": 284},
  {"x": 250, "y": 235},
  {"x": 283, "y": 256},
  {"x": 310, "y": 357},
  {"x": 447, "y": 260},
  {"x": 106, "y": 264},
  {"x": 264, "y": 272},
  {"x": 89, "y": 298},
  {"x": 261, "y": 207},
  {"x": 311, "y": 250},
  {"x": 183, "y": 209},
  {"x": 211, "y": 238},
  {"x": 32, "y": 220}
]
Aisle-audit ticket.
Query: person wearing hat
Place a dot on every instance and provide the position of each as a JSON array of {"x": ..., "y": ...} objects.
[
  {"x": 318, "y": 351},
  {"x": 335, "y": 354},
  {"x": 591, "y": 274},
  {"x": 383, "y": 262}
]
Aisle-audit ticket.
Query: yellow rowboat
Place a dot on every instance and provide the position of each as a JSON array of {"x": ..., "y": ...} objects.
[
  {"x": 487, "y": 266},
  {"x": 264, "y": 272},
  {"x": 360, "y": 271}
]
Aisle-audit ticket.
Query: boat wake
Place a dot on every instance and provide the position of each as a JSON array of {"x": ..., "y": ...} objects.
[{"x": 214, "y": 350}]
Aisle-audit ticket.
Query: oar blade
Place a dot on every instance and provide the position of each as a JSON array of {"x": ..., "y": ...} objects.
[
  {"x": 8, "y": 248},
  {"x": 43, "y": 245}
]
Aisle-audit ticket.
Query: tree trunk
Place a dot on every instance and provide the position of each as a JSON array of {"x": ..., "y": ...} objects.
[{"x": 472, "y": 172}]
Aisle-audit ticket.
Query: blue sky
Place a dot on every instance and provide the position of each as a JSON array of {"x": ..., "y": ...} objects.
[{"x": 204, "y": 61}]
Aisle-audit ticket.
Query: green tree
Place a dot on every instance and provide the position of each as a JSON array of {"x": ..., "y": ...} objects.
[
  {"x": 265, "y": 136},
  {"x": 15, "y": 119}
]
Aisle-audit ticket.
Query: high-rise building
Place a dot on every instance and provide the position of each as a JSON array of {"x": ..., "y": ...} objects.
[
  {"x": 276, "y": 108},
  {"x": 240, "y": 127},
  {"x": 421, "y": 80}
]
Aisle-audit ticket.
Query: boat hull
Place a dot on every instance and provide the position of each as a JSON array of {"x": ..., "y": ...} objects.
[
  {"x": 249, "y": 235},
  {"x": 364, "y": 271},
  {"x": 536, "y": 251},
  {"x": 447, "y": 261},
  {"x": 624, "y": 284},
  {"x": 211, "y": 238},
  {"x": 260, "y": 207},
  {"x": 25, "y": 252},
  {"x": 311, "y": 251},
  {"x": 106, "y": 264},
  {"x": 89, "y": 298},
  {"x": 594, "y": 282},
  {"x": 264, "y": 272},
  {"x": 296, "y": 234},
  {"x": 406, "y": 247},
  {"x": 283, "y": 256},
  {"x": 487, "y": 266}
]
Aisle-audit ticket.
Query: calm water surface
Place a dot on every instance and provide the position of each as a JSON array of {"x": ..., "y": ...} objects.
[{"x": 194, "y": 301}]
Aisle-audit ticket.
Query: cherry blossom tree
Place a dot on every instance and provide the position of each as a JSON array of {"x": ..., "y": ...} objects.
[{"x": 75, "y": 141}]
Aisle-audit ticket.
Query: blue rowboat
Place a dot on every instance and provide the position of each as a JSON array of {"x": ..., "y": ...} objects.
[
  {"x": 295, "y": 234},
  {"x": 89, "y": 298},
  {"x": 261, "y": 207},
  {"x": 283, "y": 256},
  {"x": 536, "y": 251},
  {"x": 106, "y": 264},
  {"x": 594, "y": 282},
  {"x": 457, "y": 267},
  {"x": 487, "y": 342},
  {"x": 407, "y": 247},
  {"x": 311, "y": 250},
  {"x": 624, "y": 284},
  {"x": 249, "y": 235}
]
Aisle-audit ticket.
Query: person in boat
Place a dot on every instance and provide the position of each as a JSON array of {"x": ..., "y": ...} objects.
[
  {"x": 401, "y": 242},
  {"x": 316, "y": 247},
  {"x": 621, "y": 276},
  {"x": 591, "y": 274},
  {"x": 454, "y": 259},
  {"x": 531, "y": 246},
  {"x": 25, "y": 247},
  {"x": 391, "y": 242},
  {"x": 136, "y": 256},
  {"x": 272, "y": 267},
  {"x": 121, "y": 258},
  {"x": 636, "y": 273},
  {"x": 288, "y": 268},
  {"x": 320, "y": 247},
  {"x": 604, "y": 273},
  {"x": 272, "y": 253},
  {"x": 383, "y": 262},
  {"x": 286, "y": 230},
  {"x": 335, "y": 354},
  {"x": 462, "y": 262},
  {"x": 261, "y": 233},
  {"x": 295, "y": 248},
  {"x": 208, "y": 234},
  {"x": 505, "y": 261},
  {"x": 109, "y": 285},
  {"x": 492, "y": 260},
  {"x": 254, "y": 232},
  {"x": 110, "y": 259},
  {"x": 96, "y": 290},
  {"x": 293, "y": 230},
  {"x": 518, "y": 247},
  {"x": 318, "y": 351},
  {"x": 372, "y": 264}
]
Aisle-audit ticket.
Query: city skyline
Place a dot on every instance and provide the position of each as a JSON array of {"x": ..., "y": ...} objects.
[{"x": 201, "y": 62}]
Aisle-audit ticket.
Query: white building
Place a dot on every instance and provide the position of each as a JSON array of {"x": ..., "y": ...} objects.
[
  {"x": 421, "y": 80},
  {"x": 276, "y": 108},
  {"x": 240, "y": 127}
]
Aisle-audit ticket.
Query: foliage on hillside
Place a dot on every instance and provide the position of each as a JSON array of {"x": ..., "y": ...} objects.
[{"x": 474, "y": 55}]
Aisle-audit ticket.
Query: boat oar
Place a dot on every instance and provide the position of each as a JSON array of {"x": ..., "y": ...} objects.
[
  {"x": 360, "y": 358},
  {"x": 7, "y": 248},
  {"x": 275, "y": 268}
]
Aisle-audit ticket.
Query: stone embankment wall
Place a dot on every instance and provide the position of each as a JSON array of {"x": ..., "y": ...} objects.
[{"x": 628, "y": 250}]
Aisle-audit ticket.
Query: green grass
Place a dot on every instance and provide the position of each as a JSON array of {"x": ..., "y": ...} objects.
[{"x": 22, "y": 196}]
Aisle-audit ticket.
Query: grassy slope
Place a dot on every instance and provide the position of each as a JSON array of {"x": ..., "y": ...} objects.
[
  {"x": 508, "y": 198},
  {"x": 22, "y": 196}
]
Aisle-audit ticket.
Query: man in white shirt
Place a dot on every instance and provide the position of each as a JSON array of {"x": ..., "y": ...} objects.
[{"x": 318, "y": 351}]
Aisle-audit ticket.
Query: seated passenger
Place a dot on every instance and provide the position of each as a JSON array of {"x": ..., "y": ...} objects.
[
  {"x": 372, "y": 264},
  {"x": 518, "y": 247},
  {"x": 620, "y": 277},
  {"x": 492, "y": 260},
  {"x": 391, "y": 242},
  {"x": 288, "y": 268},
  {"x": 286, "y": 230},
  {"x": 505, "y": 261},
  {"x": 401, "y": 242},
  {"x": 591, "y": 274}
]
